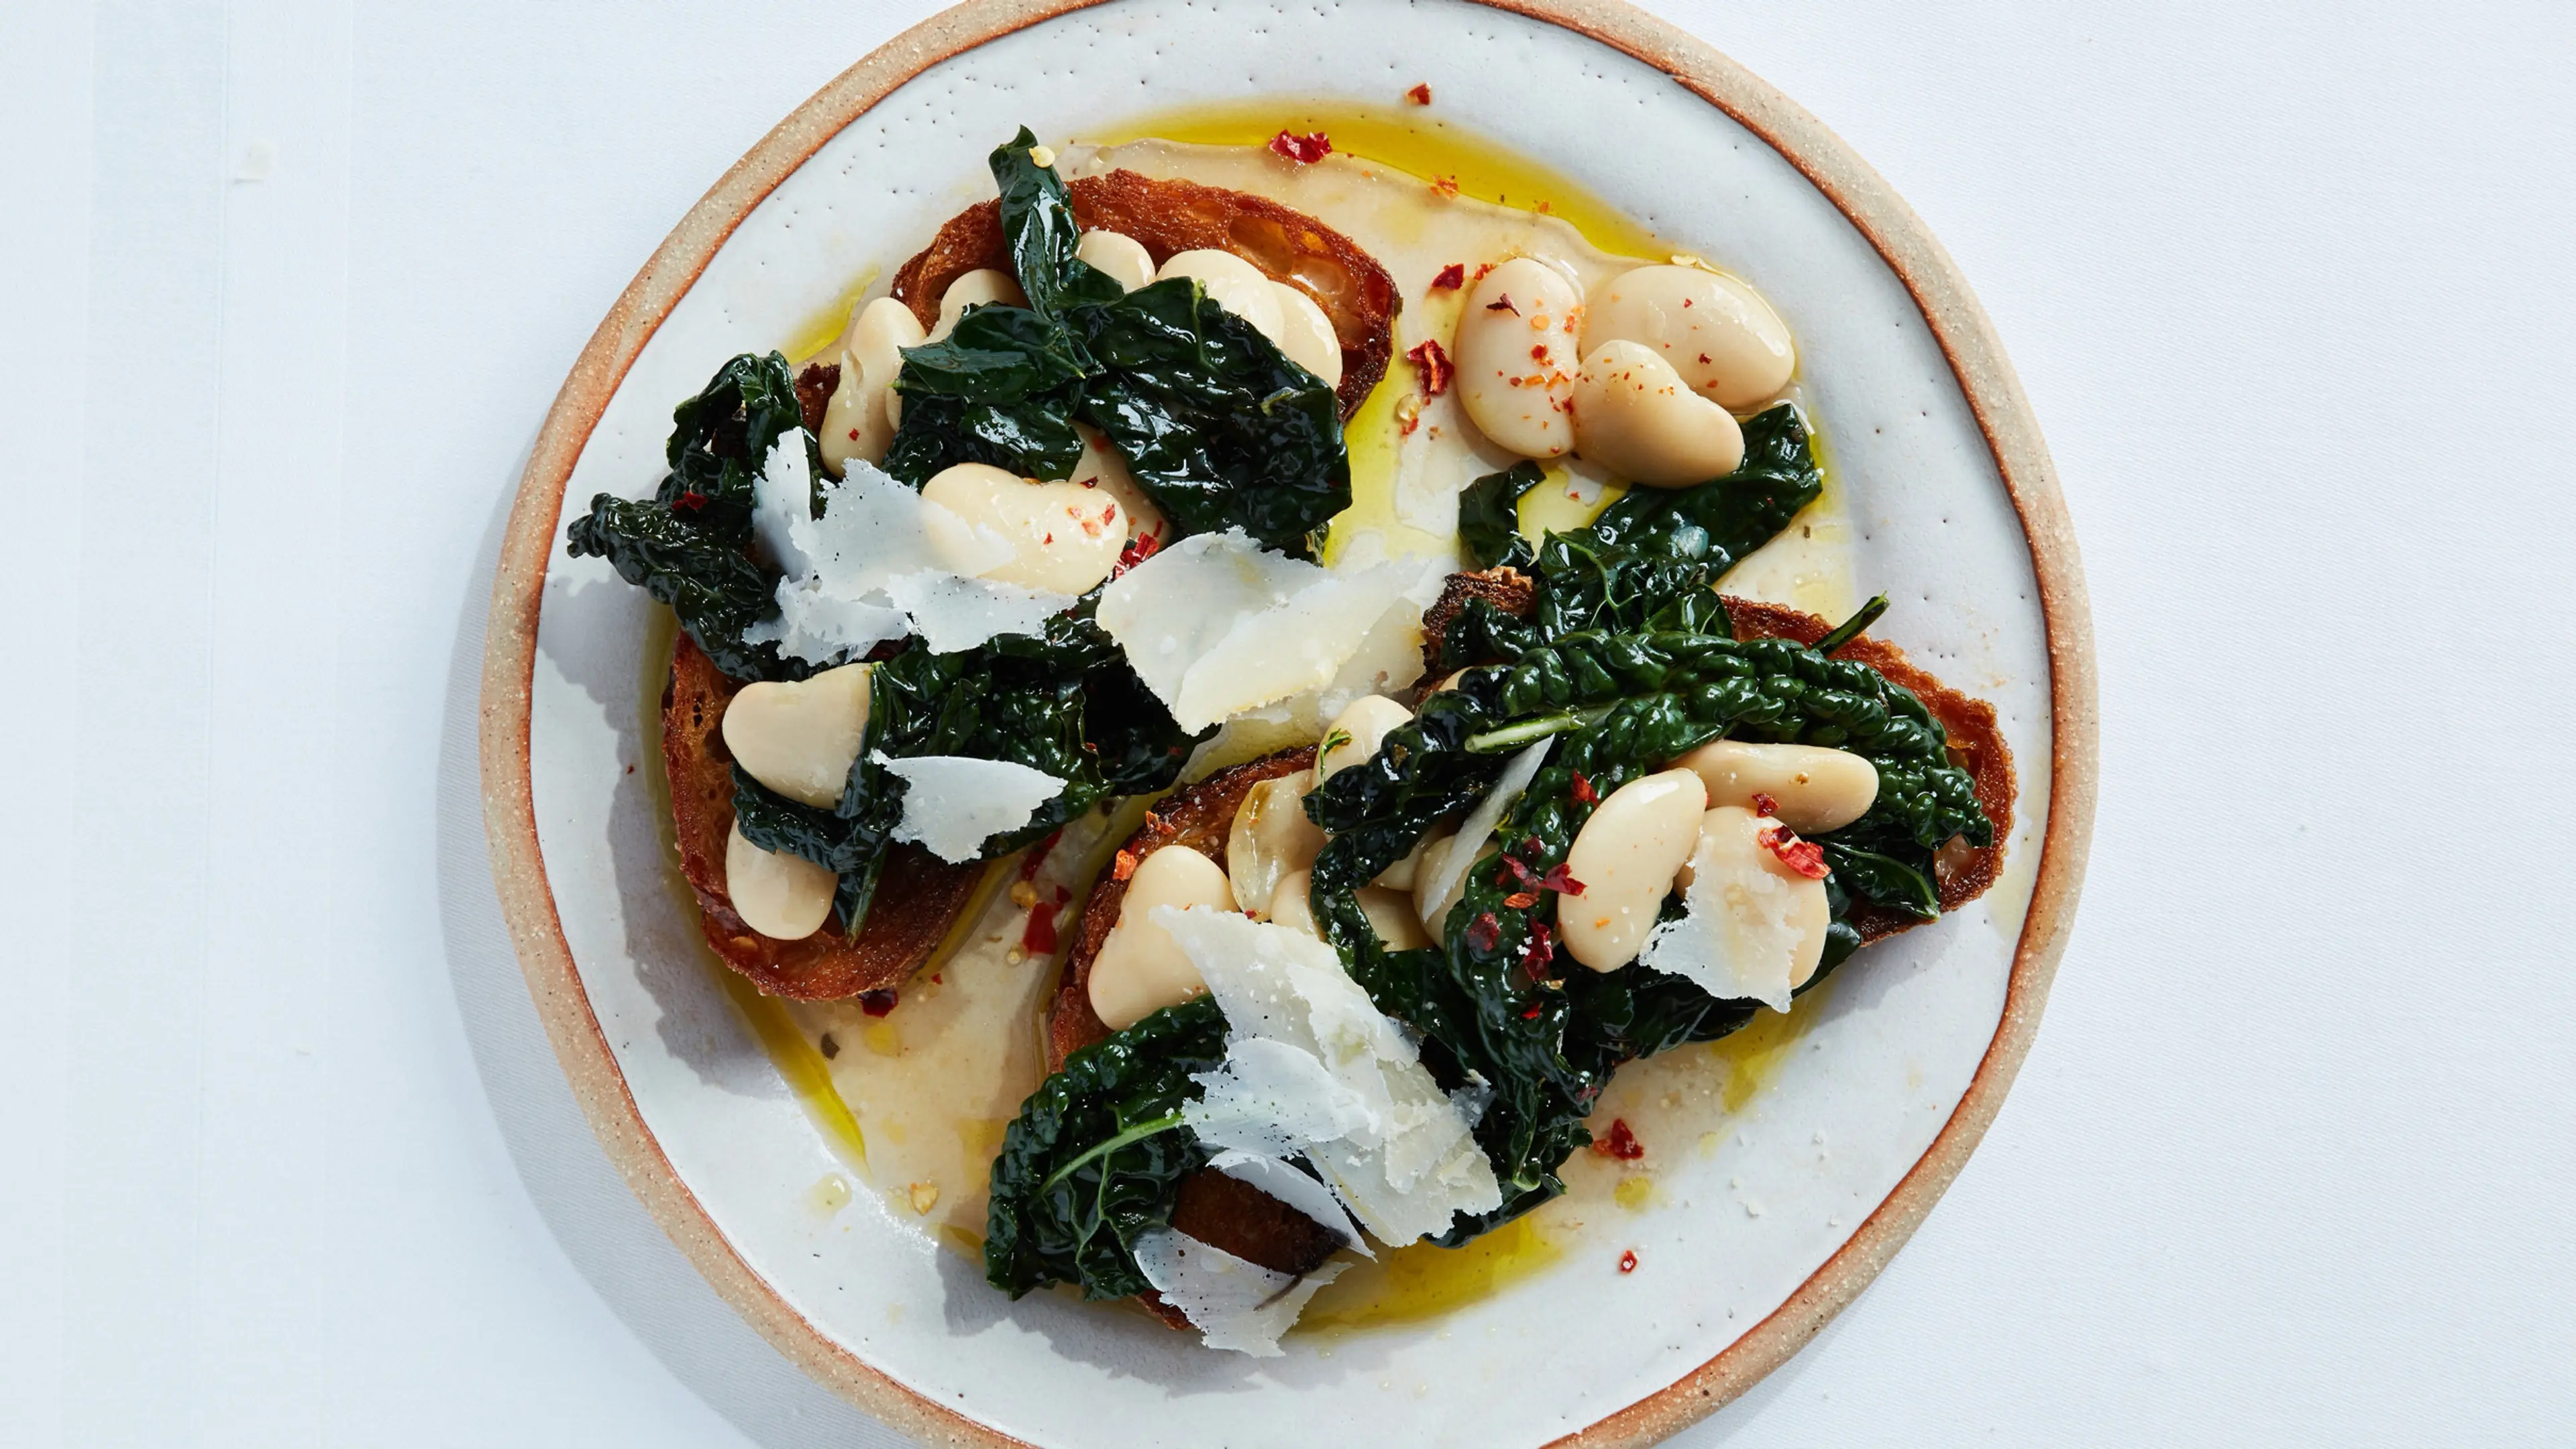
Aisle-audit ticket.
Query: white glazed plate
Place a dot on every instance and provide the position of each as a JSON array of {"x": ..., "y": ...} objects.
[{"x": 1781, "y": 1173}]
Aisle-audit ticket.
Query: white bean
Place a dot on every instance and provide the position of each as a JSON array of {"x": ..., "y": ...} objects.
[
  {"x": 1816, "y": 789},
  {"x": 799, "y": 737},
  {"x": 1634, "y": 416},
  {"x": 1290, "y": 905},
  {"x": 1118, "y": 254},
  {"x": 1626, "y": 856},
  {"x": 1271, "y": 839},
  {"x": 1101, "y": 467},
  {"x": 1390, "y": 912},
  {"x": 974, "y": 288},
  {"x": 859, "y": 420},
  {"x": 784, "y": 897},
  {"x": 1354, "y": 735},
  {"x": 1722, "y": 338},
  {"x": 1140, "y": 968},
  {"x": 1768, "y": 916},
  {"x": 1232, "y": 283},
  {"x": 1306, "y": 334},
  {"x": 1063, "y": 536},
  {"x": 1516, "y": 357}
]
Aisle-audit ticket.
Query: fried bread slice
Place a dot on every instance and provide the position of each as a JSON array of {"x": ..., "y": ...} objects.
[
  {"x": 921, "y": 893},
  {"x": 1961, "y": 872},
  {"x": 1357, "y": 295}
]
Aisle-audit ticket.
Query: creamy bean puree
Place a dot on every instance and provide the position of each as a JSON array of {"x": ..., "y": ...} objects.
[{"x": 1599, "y": 858}]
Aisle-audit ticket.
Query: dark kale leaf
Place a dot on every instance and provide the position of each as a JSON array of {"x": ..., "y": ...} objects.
[
  {"x": 1033, "y": 437},
  {"x": 686, "y": 546},
  {"x": 1037, "y": 219},
  {"x": 1489, "y": 520},
  {"x": 995, "y": 354},
  {"x": 1097, "y": 1155}
]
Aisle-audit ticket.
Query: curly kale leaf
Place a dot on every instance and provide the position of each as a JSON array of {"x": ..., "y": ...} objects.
[
  {"x": 1219, "y": 427},
  {"x": 1489, "y": 999},
  {"x": 1489, "y": 520},
  {"x": 1097, "y": 1155},
  {"x": 686, "y": 545}
]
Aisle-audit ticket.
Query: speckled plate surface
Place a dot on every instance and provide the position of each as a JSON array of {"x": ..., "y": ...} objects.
[{"x": 1791, "y": 1185}]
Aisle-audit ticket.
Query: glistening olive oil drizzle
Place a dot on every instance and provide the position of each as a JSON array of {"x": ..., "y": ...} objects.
[{"x": 1673, "y": 1101}]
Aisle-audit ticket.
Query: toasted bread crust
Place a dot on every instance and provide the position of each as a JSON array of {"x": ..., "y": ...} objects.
[
  {"x": 921, "y": 893},
  {"x": 1179, "y": 216},
  {"x": 1198, "y": 816},
  {"x": 1961, "y": 874}
]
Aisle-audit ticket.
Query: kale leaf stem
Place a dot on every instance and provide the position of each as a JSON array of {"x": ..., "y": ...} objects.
[
  {"x": 1138, "y": 1133},
  {"x": 1513, "y": 736},
  {"x": 1851, "y": 628}
]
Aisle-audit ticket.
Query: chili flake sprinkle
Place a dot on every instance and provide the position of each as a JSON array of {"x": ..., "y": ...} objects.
[
  {"x": 1521, "y": 900},
  {"x": 1805, "y": 857},
  {"x": 1138, "y": 549},
  {"x": 1305, "y": 150},
  {"x": 1433, "y": 363},
  {"x": 1542, "y": 951},
  {"x": 691, "y": 501},
  {"x": 877, "y": 1003},
  {"x": 1445, "y": 185},
  {"x": 1420, "y": 95},
  {"x": 1451, "y": 278},
  {"x": 1503, "y": 304},
  {"x": 1622, "y": 1143},
  {"x": 1125, "y": 866},
  {"x": 1485, "y": 932},
  {"x": 1628, "y": 1261},
  {"x": 1560, "y": 880},
  {"x": 1764, "y": 804}
]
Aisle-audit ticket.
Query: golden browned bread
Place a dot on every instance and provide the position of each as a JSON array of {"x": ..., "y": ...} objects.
[
  {"x": 1197, "y": 816},
  {"x": 1961, "y": 872},
  {"x": 1179, "y": 216},
  {"x": 918, "y": 897}
]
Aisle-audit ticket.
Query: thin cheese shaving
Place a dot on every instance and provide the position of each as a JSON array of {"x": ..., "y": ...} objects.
[
  {"x": 1471, "y": 838},
  {"x": 952, "y": 804},
  {"x": 1233, "y": 1302},
  {"x": 1408, "y": 1165},
  {"x": 1737, "y": 937},
  {"x": 1216, "y": 626}
]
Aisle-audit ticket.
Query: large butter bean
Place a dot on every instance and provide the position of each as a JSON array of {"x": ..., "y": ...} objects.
[
  {"x": 1390, "y": 912},
  {"x": 1140, "y": 968},
  {"x": 859, "y": 421},
  {"x": 1626, "y": 855},
  {"x": 1102, "y": 468},
  {"x": 1723, "y": 339},
  {"x": 1118, "y": 254},
  {"x": 1063, "y": 536},
  {"x": 1306, "y": 334},
  {"x": 1354, "y": 735},
  {"x": 1769, "y": 918},
  {"x": 784, "y": 897},
  {"x": 1817, "y": 789},
  {"x": 799, "y": 737},
  {"x": 1634, "y": 416},
  {"x": 973, "y": 289},
  {"x": 1232, "y": 283},
  {"x": 1271, "y": 839},
  {"x": 1516, "y": 355}
]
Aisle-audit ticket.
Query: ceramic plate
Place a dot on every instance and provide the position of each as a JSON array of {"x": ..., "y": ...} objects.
[{"x": 1786, "y": 1168}]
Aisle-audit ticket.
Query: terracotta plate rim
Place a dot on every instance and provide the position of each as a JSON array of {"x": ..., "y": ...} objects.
[{"x": 1975, "y": 354}]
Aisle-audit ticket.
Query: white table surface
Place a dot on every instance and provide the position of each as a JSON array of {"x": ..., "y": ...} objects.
[{"x": 289, "y": 284}]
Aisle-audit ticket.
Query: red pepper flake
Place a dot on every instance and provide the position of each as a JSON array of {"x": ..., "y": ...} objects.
[
  {"x": 1030, "y": 862},
  {"x": 1561, "y": 881},
  {"x": 1434, "y": 366},
  {"x": 1503, "y": 305},
  {"x": 1621, "y": 1143},
  {"x": 1305, "y": 150},
  {"x": 1420, "y": 95},
  {"x": 1138, "y": 549},
  {"x": 1628, "y": 1261},
  {"x": 1805, "y": 857},
  {"x": 1514, "y": 872},
  {"x": 1703, "y": 357},
  {"x": 1532, "y": 845},
  {"x": 1038, "y": 937},
  {"x": 1451, "y": 278},
  {"x": 1765, "y": 804},
  {"x": 1485, "y": 933},
  {"x": 1542, "y": 950},
  {"x": 1446, "y": 186},
  {"x": 1583, "y": 791},
  {"x": 690, "y": 502},
  {"x": 1532, "y": 1013},
  {"x": 1521, "y": 900},
  {"x": 877, "y": 1003},
  {"x": 1125, "y": 866}
]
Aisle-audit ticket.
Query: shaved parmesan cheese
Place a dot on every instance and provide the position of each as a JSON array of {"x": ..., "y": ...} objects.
[
  {"x": 1489, "y": 812},
  {"x": 1746, "y": 930},
  {"x": 1217, "y": 626},
  {"x": 881, "y": 562},
  {"x": 1398, "y": 1154},
  {"x": 952, "y": 804},
  {"x": 1233, "y": 1302},
  {"x": 952, "y": 613},
  {"x": 1282, "y": 1180}
]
